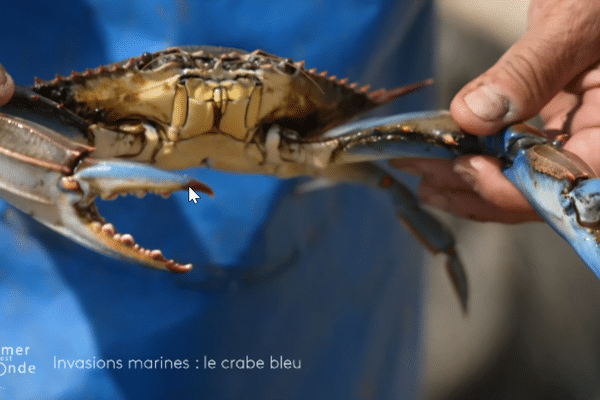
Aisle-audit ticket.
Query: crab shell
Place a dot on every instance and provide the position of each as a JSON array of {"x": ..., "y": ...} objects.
[{"x": 208, "y": 106}]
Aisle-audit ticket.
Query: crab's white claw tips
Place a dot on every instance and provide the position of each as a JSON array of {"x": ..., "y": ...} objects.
[{"x": 80, "y": 220}]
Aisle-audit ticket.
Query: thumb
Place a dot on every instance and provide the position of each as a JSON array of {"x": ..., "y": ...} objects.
[
  {"x": 7, "y": 86},
  {"x": 562, "y": 40}
]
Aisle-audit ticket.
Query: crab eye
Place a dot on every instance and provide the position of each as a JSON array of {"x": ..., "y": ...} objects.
[
  {"x": 307, "y": 126},
  {"x": 145, "y": 59}
]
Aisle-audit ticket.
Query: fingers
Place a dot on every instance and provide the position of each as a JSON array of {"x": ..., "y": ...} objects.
[
  {"x": 7, "y": 86},
  {"x": 471, "y": 187},
  {"x": 437, "y": 172},
  {"x": 585, "y": 145},
  {"x": 563, "y": 40},
  {"x": 561, "y": 50},
  {"x": 576, "y": 112}
]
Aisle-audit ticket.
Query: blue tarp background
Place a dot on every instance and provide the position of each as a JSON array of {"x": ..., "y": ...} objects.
[{"x": 328, "y": 278}]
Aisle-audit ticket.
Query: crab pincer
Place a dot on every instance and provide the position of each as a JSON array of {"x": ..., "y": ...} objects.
[
  {"x": 559, "y": 185},
  {"x": 109, "y": 179}
]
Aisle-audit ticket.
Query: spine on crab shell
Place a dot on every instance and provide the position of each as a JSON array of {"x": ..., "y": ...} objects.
[
  {"x": 383, "y": 96},
  {"x": 373, "y": 98}
]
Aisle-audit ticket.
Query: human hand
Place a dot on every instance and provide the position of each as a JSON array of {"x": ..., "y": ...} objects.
[
  {"x": 553, "y": 70},
  {"x": 7, "y": 86}
]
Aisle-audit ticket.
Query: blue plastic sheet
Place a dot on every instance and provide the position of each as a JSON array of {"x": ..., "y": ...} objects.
[{"x": 328, "y": 280}]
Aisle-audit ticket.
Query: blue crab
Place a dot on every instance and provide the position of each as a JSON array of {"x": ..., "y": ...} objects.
[{"x": 120, "y": 129}]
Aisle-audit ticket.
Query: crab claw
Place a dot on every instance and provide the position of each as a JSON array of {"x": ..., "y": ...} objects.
[
  {"x": 561, "y": 187},
  {"x": 80, "y": 220},
  {"x": 51, "y": 176}
]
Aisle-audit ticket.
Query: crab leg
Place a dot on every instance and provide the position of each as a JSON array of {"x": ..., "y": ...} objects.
[
  {"x": 427, "y": 228},
  {"x": 557, "y": 184},
  {"x": 420, "y": 135},
  {"x": 349, "y": 151},
  {"x": 432, "y": 233}
]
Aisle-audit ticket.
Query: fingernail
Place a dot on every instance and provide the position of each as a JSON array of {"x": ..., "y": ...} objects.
[
  {"x": 486, "y": 103},
  {"x": 467, "y": 174}
]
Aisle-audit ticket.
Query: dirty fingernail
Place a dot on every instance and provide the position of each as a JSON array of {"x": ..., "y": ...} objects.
[
  {"x": 486, "y": 103},
  {"x": 467, "y": 174}
]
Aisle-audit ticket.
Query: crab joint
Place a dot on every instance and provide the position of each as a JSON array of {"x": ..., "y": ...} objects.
[{"x": 68, "y": 183}]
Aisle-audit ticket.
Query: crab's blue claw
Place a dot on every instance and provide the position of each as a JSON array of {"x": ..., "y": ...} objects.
[
  {"x": 560, "y": 187},
  {"x": 78, "y": 218}
]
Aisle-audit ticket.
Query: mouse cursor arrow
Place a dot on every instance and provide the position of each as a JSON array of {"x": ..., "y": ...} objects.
[{"x": 192, "y": 195}]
